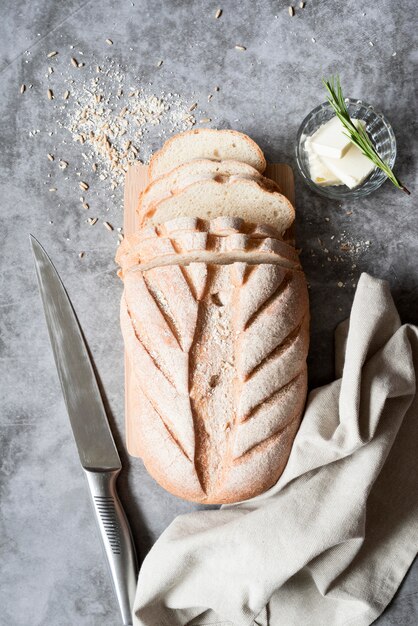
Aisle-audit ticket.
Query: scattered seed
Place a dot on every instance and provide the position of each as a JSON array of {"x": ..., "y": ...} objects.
[
  {"x": 159, "y": 64},
  {"x": 193, "y": 106},
  {"x": 241, "y": 48},
  {"x": 218, "y": 13},
  {"x": 108, "y": 226},
  {"x": 109, "y": 42},
  {"x": 81, "y": 64},
  {"x": 81, "y": 254},
  {"x": 302, "y": 5},
  {"x": 85, "y": 205},
  {"x": 291, "y": 11},
  {"x": 51, "y": 54},
  {"x": 210, "y": 96},
  {"x": 22, "y": 88},
  {"x": 371, "y": 43},
  {"x": 340, "y": 284},
  {"x": 92, "y": 220},
  {"x": 50, "y": 70},
  {"x": 63, "y": 164},
  {"x": 94, "y": 167},
  {"x": 52, "y": 189},
  {"x": 121, "y": 237},
  {"x": 50, "y": 94},
  {"x": 313, "y": 40},
  {"x": 134, "y": 150},
  {"x": 74, "y": 62},
  {"x": 84, "y": 186},
  {"x": 66, "y": 95},
  {"x": 50, "y": 157},
  {"x": 205, "y": 120},
  {"x": 216, "y": 88}
]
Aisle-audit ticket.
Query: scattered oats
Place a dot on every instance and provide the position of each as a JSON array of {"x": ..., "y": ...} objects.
[
  {"x": 22, "y": 88},
  {"x": 193, "y": 106},
  {"x": 340, "y": 284},
  {"x": 349, "y": 212},
  {"x": 92, "y": 220},
  {"x": 85, "y": 205},
  {"x": 302, "y": 5},
  {"x": 50, "y": 157},
  {"x": 50, "y": 94},
  {"x": 81, "y": 64},
  {"x": 121, "y": 237},
  {"x": 81, "y": 254},
  {"x": 313, "y": 40},
  {"x": 51, "y": 54},
  {"x": 94, "y": 167},
  {"x": 108, "y": 226},
  {"x": 66, "y": 95},
  {"x": 291, "y": 11},
  {"x": 216, "y": 88},
  {"x": 218, "y": 13},
  {"x": 210, "y": 96},
  {"x": 63, "y": 164},
  {"x": 74, "y": 62},
  {"x": 52, "y": 189},
  {"x": 241, "y": 48},
  {"x": 327, "y": 219},
  {"x": 109, "y": 42},
  {"x": 394, "y": 54},
  {"x": 84, "y": 186},
  {"x": 205, "y": 120},
  {"x": 371, "y": 43},
  {"x": 159, "y": 64}
]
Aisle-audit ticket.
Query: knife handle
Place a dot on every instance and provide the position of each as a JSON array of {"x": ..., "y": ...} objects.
[{"x": 116, "y": 538}]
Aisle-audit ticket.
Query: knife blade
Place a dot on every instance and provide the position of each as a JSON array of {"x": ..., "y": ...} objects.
[{"x": 96, "y": 447}]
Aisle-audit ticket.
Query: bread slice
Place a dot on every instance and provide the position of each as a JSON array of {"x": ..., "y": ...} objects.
[
  {"x": 194, "y": 171},
  {"x": 206, "y": 143},
  {"x": 242, "y": 198}
]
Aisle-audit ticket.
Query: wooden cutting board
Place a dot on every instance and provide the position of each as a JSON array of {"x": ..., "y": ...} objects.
[{"x": 136, "y": 180}]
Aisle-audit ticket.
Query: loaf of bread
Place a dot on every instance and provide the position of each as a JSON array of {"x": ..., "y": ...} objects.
[{"x": 215, "y": 321}]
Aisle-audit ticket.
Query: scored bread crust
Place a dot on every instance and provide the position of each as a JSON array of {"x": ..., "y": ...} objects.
[
  {"x": 205, "y": 143},
  {"x": 218, "y": 355},
  {"x": 193, "y": 171},
  {"x": 243, "y": 198},
  {"x": 222, "y": 240}
]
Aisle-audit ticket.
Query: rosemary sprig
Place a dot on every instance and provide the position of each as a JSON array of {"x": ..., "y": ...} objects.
[{"x": 358, "y": 136}]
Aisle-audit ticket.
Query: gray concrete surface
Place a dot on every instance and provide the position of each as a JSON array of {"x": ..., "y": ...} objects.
[{"x": 52, "y": 570}]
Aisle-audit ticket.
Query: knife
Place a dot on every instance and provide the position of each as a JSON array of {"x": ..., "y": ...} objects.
[{"x": 96, "y": 447}]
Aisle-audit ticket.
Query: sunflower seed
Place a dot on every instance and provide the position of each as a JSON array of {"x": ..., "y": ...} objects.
[
  {"x": 50, "y": 94},
  {"x": 50, "y": 157},
  {"x": 66, "y": 95},
  {"x": 193, "y": 106},
  {"x": 51, "y": 54},
  {"x": 218, "y": 13},
  {"x": 74, "y": 62},
  {"x": 22, "y": 88},
  {"x": 302, "y": 5},
  {"x": 109, "y": 42},
  {"x": 205, "y": 120},
  {"x": 85, "y": 205},
  {"x": 241, "y": 48},
  {"x": 291, "y": 11},
  {"x": 52, "y": 189},
  {"x": 108, "y": 226},
  {"x": 159, "y": 64},
  {"x": 81, "y": 254},
  {"x": 84, "y": 186}
]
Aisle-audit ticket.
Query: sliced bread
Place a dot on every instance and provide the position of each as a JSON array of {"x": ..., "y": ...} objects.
[
  {"x": 192, "y": 172},
  {"x": 206, "y": 143},
  {"x": 234, "y": 197}
]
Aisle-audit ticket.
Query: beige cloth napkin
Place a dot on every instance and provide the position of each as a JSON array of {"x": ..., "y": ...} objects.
[{"x": 332, "y": 540}]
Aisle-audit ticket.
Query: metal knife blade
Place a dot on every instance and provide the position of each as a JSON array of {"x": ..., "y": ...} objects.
[
  {"x": 96, "y": 447},
  {"x": 88, "y": 418}
]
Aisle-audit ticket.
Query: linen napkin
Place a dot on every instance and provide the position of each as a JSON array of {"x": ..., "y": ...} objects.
[{"x": 332, "y": 540}]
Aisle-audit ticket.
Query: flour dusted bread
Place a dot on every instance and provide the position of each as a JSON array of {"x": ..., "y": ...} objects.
[
  {"x": 206, "y": 143},
  {"x": 193, "y": 171},
  {"x": 236, "y": 197},
  {"x": 215, "y": 321}
]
